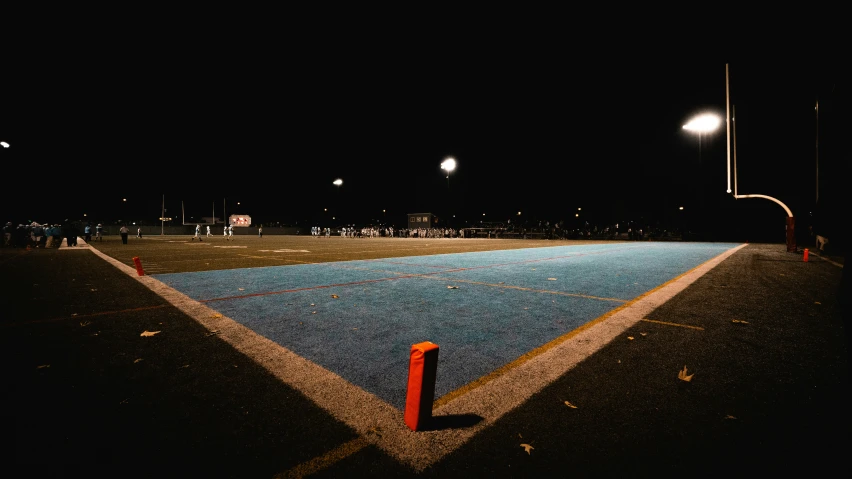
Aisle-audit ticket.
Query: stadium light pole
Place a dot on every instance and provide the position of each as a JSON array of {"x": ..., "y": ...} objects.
[
  {"x": 337, "y": 183},
  {"x": 449, "y": 164},
  {"x": 701, "y": 124}
]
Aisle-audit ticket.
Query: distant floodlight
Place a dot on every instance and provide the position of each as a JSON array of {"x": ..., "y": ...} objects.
[
  {"x": 703, "y": 123},
  {"x": 338, "y": 182},
  {"x": 4, "y": 144},
  {"x": 449, "y": 164}
]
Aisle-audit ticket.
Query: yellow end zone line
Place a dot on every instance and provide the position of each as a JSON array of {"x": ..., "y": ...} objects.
[
  {"x": 672, "y": 324},
  {"x": 479, "y": 283}
]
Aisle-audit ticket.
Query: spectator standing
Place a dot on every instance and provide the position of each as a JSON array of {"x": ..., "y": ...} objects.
[
  {"x": 70, "y": 231},
  {"x": 37, "y": 234},
  {"x": 124, "y": 232},
  {"x": 7, "y": 233}
]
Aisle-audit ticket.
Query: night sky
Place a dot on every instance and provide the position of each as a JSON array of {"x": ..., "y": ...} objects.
[{"x": 532, "y": 132}]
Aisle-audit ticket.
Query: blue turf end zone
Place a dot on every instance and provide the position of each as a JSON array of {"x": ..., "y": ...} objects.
[{"x": 359, "y": 319}]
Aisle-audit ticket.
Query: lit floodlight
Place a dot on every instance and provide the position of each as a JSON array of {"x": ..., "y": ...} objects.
[
  {"x": 338, "y": 182},
  {"x": 449, "y": 164},
  {"x": 703, "y": 123},
  {"x": 4, "y": 144}
]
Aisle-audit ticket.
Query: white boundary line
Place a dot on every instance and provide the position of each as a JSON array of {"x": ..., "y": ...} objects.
[{"x": 367, "y": 414}]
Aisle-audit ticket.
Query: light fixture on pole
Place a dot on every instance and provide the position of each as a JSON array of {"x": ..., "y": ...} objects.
[
  {"x": 703, "y": 123},
  {"x": 449, "y": 164}
]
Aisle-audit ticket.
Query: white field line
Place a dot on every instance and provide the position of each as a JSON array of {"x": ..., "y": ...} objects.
[{"x": 367, "y": 413}]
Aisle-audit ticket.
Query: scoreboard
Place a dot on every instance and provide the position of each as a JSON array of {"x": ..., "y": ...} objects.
[{"x": 239, "y": 220}]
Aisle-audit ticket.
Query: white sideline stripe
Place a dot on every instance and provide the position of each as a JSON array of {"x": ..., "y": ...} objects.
[{"x": 365, "y": 412}]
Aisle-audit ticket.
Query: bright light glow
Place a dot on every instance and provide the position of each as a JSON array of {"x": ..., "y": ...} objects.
[
  {"x": 449, "y": 164},
  {"x": 4, "y": 144},
  {"x": 681, "y": 208},
  {"x": 338, "y": 182},
  {"x": 704, "y": 123}
]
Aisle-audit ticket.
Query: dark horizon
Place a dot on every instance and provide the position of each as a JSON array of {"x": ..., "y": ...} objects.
[{"x": 541, "y": 141}]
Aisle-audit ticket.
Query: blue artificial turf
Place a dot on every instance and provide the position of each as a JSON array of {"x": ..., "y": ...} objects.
[{"x": 507, "y": 304}]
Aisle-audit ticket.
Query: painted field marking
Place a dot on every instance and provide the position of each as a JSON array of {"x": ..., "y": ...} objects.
[{"x": 672, "y": 324}]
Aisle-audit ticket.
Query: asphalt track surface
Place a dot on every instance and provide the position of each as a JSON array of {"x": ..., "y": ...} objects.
[{"x": 760, "y": 332}]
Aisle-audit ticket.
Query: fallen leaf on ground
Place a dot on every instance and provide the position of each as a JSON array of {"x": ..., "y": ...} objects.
[
  {"x": 217, "y": 315},
  {"x": 630, "y": 338},
  {"x": 683, "y": 376},
  {"x": 551, "y": 279},
  {"x": 644, "y": 334},
  {"x": 85, "y": 323},
  {"x": 527, "y": 447},
  {"x": 211, "y": 333},
  {"x": 137, "y": 360},
  {"x": 242, "y": 289},
  {"x": 570, "y": 405},
  {"x": 148, "y": 333},
  {"x": 452, "y": 287},
  {"x": 729, "y": 417},
  {"x": 335, "y": 296},
  {"x": 43, "y": 366},
  {"x": 313, "y": 312},
  {"x": 817, "y": 302},
  {"x": 739, "y": 321}
]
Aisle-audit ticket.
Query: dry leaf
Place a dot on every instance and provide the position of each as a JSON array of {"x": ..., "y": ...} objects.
[
  {"x": 335, "y": 296},
  {"x": 137, "y": 360},
  {"x": 452, "y": 287},
  {"x": 312, "y": 304},
  {"x": 211, "y": 333},
  {"x": 527, "y": 447},
  {"x": 739, "y": 321},
  {"x": 630, "y": 338},
  {"x": 242, "y": 289},
  {"x": 85, "y": 323},
  {"x": 148, "y": 333},
  {"x": 313, "y": 312},
  {"x": 644, "y": 334},
  {"x": 43, "y": 366},
  {"x": 817, "y": 302},
  {"x": 570, "y": 405},
  {"x": 217, "y": 315},
  {"x": 551, "y": 279},
  {"x": 683, "y": 376},
  {"x": 729, "y": 417}
]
